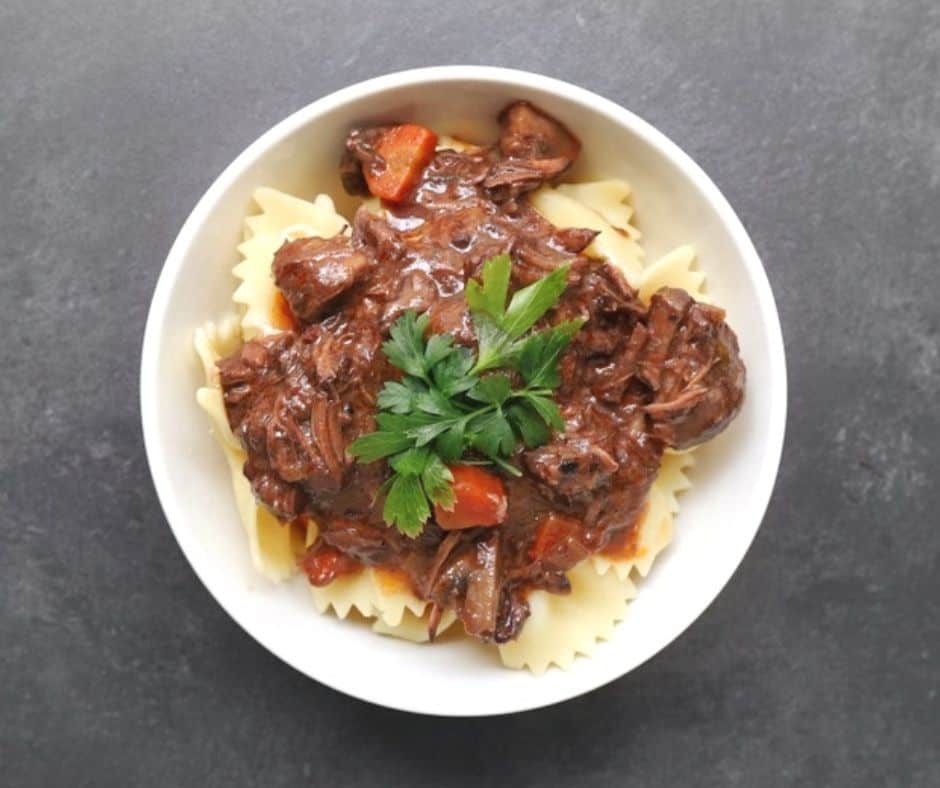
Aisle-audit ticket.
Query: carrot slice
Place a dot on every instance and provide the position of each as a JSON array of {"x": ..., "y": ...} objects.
[
  {"x": 406, "y": 151},
  {"x": 556, "y": 541},
  {"x": 479, "y": 500},
  {"x": 282, "y": 316}
]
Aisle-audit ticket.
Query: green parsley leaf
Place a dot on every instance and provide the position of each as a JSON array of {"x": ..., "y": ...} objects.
[
  {"x": 450, "y": 443},
  {"x": 438, "y": 347},
  {"x": 427, "y": 432},
  {"x": 546, "y": 408},
  {"x": 396, "y": 397},
  {"x": 436, "y": 403},
  {"x": 539, "y": 353},
  {"x": 438, "y": 482},
  {"x": 406, "y": 505},
  {"x": 376, "y": 445},
  {"x": 412, "y": 461},
  {"x": 402, "y": 422},
  {"x": 528, "y": 424},
  {"x": 405, "y": 346},
  {"x": 497, "y": 327},
  {"x": 490, "y": 297},
  {"x": 493, "y": 343},
  {"x": 451, "y": 375},
  {"x": 493, "y": 389},
  {"x": 442, "y": 408},
  {"x": 531, "y": 302},
  {"x": 491, "y": 434}
]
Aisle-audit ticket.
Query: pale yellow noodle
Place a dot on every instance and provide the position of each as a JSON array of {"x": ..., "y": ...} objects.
[{"x": 560, "y": 626}]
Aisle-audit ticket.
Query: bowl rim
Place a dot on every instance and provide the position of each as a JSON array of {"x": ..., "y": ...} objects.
[{"x": 160, "y": 302}]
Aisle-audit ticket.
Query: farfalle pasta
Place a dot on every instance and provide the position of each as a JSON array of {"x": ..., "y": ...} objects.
[
  {"x": 518, "y": 554},
  {"x": 282, "y": 218}
]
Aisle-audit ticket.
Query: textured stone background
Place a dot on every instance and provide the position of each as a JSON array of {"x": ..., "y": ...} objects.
[{"x": 819, "y": 663}]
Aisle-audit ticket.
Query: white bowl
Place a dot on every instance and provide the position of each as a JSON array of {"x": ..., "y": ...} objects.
[{"x": 733, "y": 478}]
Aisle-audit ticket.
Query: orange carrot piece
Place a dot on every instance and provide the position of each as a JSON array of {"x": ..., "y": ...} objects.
[
  {"x": 407, "y": 150},
  {"x": 479, "y": 500}
]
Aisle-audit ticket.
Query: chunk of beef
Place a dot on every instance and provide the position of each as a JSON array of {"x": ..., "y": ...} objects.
[
  {"x": 251, "y": 372},
  {"x": 471, "y": 583},
  {"x": 483, "y": 586},
  {"x": 374, "y": 232},
  {"x": 367, "y": 543},
  {"x": 251, "y": 381},
  {"x": 667, "y": 310},
  {"x": 360, "y": 154},
  {"x": 608, "y": 293},
  {"x": 604, "y": 352},
  {"x": 296, "y": 403},
  {"x": 350, "y": 175},
  {"x": 572, "y": 467},
  {"x": 610, "y": 306},
  {"x": 328, "y": 434},
  {"x": 609, "y": 378},
  {"x": 441, "y": 555},
  {"x": 638, "y": 455},
  {"x": 312, "y": 272},
  {"x": 510, "y": 178},
  {"x": 527, "y": 133},
  {"x": 450, "y": 231},
  {"x": 453, "y": 179},
  {"x": 451, "y": 316},
  {"x": 514, "y": 610},
  {"x": 417, "y": 291},
  {"x": 281, "y": 497},
  {"x": 538, "y": 248},
  {"x": 691, "y": 360},
  {"x": 345, "y": 356},
  {"x": 535, "y": 148},
  {"x": 424, "y": 268},
  {"x": 558, "y": 542},
  {"x": 574, "y": 239},
  {"x": 600, "y": 478}
]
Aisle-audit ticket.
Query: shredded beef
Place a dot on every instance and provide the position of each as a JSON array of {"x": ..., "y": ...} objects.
[
  {"x": 636, "y": 379},
  {"x": 312, "y": 272}
]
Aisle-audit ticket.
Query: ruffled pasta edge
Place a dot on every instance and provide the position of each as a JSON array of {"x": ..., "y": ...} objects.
[{"x": 560, "y": 627}]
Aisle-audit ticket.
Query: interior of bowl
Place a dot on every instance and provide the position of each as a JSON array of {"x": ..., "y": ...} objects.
[{"x": 675, "y": 204}]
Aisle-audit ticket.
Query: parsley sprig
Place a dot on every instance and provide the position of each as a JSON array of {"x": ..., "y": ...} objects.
[{"x": 445, "y": 407}]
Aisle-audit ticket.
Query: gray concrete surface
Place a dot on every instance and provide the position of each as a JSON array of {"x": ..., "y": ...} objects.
[{"x": 817, "y": 666}]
